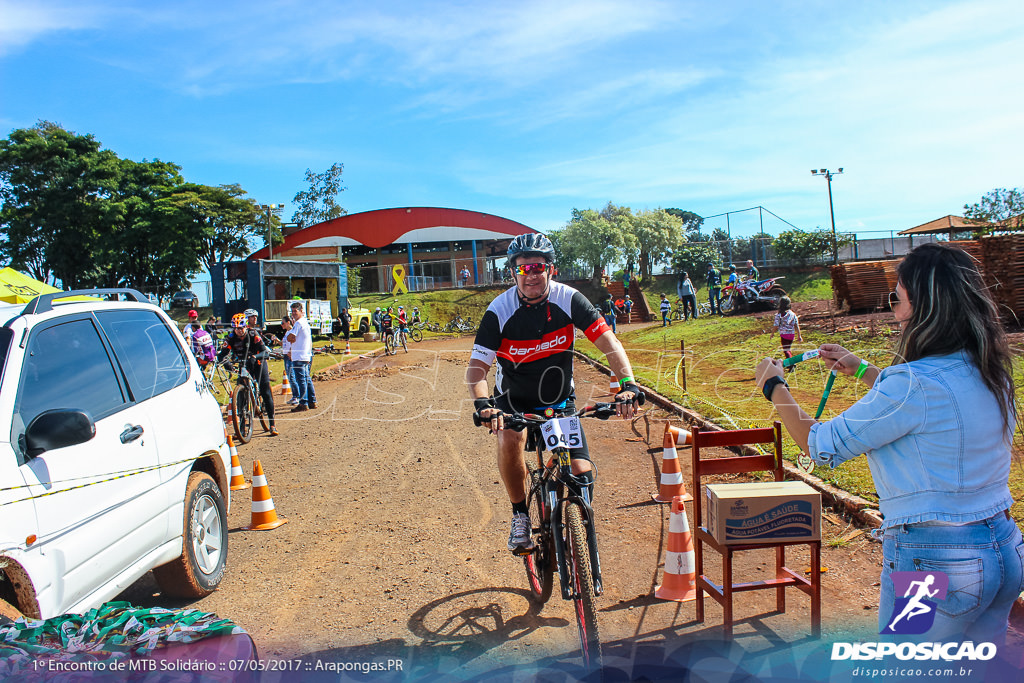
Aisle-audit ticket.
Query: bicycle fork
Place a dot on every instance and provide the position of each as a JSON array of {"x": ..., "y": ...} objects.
[{"x": 556, "y": 507}]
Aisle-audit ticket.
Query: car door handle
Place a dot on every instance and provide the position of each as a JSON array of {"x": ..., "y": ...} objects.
[{"x": 131, "y": 433}]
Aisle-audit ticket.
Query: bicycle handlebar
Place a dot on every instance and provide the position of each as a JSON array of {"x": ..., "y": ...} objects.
[{"x": 601, "y": 411}]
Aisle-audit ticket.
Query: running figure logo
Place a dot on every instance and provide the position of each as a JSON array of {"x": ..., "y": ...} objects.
[{"x": 914, "y": 613}]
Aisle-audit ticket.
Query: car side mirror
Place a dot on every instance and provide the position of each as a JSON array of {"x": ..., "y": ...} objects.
[{"x": 59, "y": 428}]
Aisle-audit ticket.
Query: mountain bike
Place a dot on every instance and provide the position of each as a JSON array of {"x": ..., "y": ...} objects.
[
  {"x": 393, "y": 339},
  {"x": 218, "y": 378},
  {"x": 247, "y": 406},
  {"x": 565, "y": 537}
]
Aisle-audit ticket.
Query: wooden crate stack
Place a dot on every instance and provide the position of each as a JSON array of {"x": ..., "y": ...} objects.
[
  {"x": 1002, "y": 258},
  {"x": 863, "y": 286}
]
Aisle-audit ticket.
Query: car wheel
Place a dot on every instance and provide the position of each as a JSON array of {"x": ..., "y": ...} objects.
[
  {"x": 364, "y": 327},
  {"x": 200, "y": 568}
]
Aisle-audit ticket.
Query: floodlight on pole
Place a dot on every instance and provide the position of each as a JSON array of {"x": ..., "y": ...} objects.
[
  {"x": 270, "y": 208},
  {"x": 828, "y": 176}
]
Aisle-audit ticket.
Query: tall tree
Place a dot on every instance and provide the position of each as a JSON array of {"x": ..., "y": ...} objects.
[
  {"x": 54, "y": 187},
  {"x": 319, "y": 202},
  {"x": 656, "y": 234},
  {"x": 592, "y": 240},
  {"x": 225, "y": 219},
  {"x": 1000, "y": 210}
]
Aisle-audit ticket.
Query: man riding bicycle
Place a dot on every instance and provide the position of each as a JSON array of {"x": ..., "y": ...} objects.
[
  {"x": 528, "y": 331},
  {"x": 247, "y": 346}
]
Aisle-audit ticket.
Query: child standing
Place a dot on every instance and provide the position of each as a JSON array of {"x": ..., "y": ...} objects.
[
  {"x": 788, "y": 324},
  {"x": 666, "y": 309}
]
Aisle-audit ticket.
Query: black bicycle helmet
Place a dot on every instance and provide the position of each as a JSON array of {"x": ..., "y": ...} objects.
[
  {"x": 529, "y": 244},
  {"x": 732, "y": 269}
]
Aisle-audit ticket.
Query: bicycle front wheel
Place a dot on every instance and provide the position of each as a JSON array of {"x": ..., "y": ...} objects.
[
  {"x": 241, "y": 413},
  {"x": 540, "y": 564},
  {"x": 405, "y": 342},
  {"x": 416, "y": 334},
  {"x": 582, "y": 581},
  {"x": 389, "y": 345}
]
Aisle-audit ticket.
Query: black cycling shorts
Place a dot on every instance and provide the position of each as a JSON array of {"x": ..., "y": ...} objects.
[{"x": 502, "y": 403}]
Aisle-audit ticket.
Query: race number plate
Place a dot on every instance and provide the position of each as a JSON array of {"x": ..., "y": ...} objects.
[{"x": 562, "y": 432}]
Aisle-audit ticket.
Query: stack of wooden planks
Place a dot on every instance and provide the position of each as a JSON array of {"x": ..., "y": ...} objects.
[
  {"x": 1002, "y": 257},
  {"x": 863, "y": 286}
]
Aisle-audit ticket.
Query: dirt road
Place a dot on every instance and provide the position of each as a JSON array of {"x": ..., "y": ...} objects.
[{"x": 395, "y": 546}]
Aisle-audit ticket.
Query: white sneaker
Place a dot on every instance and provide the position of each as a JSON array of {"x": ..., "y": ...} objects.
[
  {"x": 520, "y": 539},
  {"x": 292, "y": 401}
]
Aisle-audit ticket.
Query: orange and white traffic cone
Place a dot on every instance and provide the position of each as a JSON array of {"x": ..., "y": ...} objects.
[
  {"x": 285, "y": 387},
  {"x": 348, "y": 348},
  {"x": 679, "y": 580},
  {"x": 671, "y": 484},
  {"x": 613, "y": 385},
  {"x": 264, "y": 516},
  {"x": 238, "y": 481}
]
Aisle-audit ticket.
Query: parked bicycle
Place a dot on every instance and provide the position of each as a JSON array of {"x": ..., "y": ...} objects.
[
  {"x": 247, "y": 406},
  {"x": 218, "y": 378},
  {"x": 460, "y": 324},
  {"x": 565, "y": 537}
]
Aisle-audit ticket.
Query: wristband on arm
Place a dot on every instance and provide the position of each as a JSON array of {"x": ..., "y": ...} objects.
[
  {"x": 861, "y": 369},
  {"x": 770, "y": 384}
]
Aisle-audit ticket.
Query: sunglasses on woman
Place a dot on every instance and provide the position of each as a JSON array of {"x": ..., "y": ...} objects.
[
  {"x": 531, "y": 268},
  {"x": 894, "y": 299}
]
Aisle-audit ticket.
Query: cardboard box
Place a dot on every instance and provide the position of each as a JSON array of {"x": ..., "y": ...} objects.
[{"x": 761, "y": 512}]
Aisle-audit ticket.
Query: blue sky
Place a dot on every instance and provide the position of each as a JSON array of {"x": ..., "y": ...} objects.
[{"x": 529, "y": 109}]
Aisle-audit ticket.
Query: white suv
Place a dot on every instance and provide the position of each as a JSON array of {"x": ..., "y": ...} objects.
[{"x": 112, "y": 455}]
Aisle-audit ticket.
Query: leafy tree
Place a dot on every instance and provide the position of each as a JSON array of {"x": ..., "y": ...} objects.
[
  {"x": 146, "y": 243},
  {"x": 226, "y": 220},
  {"x": 692, "y": 224},
  {"x": 1000, "y": 210},
  {"x": 318, "y": 204},
  {"x": 655, "y": 233},
  {"x": 53, "y": 188},
  {"x": 802, "y": 246},
  {"x": 694, "y": 257},
  {"x": 592, "y": 240}
]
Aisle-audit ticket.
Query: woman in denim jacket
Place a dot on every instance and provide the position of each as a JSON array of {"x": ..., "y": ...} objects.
[{"x": 937, "y": 427}]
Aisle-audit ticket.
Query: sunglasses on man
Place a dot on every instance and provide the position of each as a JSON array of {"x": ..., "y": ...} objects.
[{"x": 531, "y": 268}]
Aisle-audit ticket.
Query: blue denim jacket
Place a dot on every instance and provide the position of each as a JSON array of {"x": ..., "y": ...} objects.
[{"x": 935, "y": 439}]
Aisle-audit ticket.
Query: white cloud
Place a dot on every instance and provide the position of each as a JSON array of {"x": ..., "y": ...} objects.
[{"x": 23, "y": 23}]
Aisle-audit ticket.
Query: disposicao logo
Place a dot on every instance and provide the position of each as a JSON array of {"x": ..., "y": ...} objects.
[
  {"x": 914, "y": 613},
  {"x": 918, "y": 595}
]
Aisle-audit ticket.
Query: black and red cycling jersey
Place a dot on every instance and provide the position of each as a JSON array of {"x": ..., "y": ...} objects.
[
  {"x": 249, "y": 347},
  {"x": 532, "y": 344}
]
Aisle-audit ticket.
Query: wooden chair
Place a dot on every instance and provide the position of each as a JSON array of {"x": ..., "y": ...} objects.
[{"x": 784, "y": 576}]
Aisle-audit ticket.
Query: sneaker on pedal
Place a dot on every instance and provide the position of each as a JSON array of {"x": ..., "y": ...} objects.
[{"x": 520, "y": 538}]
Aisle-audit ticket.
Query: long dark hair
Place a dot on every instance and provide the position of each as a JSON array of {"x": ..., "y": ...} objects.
[{"x": 951, "y": 310}]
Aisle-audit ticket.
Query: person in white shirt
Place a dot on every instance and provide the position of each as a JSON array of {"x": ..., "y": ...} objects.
[
  {"x": 191, "y": 326},
  {"x": 286, "y": 350},
  {"x": 302, "y": 356}
]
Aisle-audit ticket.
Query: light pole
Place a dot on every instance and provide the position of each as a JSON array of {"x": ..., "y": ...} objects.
[
  {"x": 270, "y": 208},
  {"x": 828, "y": 176}
]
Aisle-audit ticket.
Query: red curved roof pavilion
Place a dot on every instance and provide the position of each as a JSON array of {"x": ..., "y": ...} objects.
[{"x": 383, "y": 227}]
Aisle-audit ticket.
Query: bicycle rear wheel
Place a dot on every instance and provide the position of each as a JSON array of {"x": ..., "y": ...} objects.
[
  {"x": 540, "y": 564},
  {"x": 241, "y": 413},
  {"x": 582, "y": 581},
  {"x": 405, "y": 342},
  {"x": 416, "y": 334}
]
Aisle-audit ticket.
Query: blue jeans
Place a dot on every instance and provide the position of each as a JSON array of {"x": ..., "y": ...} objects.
[
  {"x": 307, "y": 394},
  {"x": 289, "y": 372},
  {"x": 610, "y": 319},
  {"x": 983, "y": 561}
]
